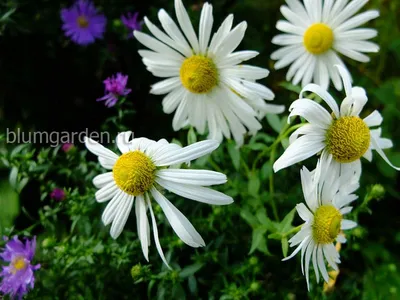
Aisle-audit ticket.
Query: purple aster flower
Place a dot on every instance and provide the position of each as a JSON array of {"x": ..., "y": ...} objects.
[
  {"x": 115, "y": 86},
  {"x": 67, "y": 147},
  {"x": 18, "y": 276},
  {"x": 82, "y": 23},
  {"x": 57, "y": 194},
  {"x": 131, "y": 22}
]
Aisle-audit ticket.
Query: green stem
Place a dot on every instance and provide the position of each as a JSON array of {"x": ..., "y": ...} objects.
[
  {"x": 271, "y": 187},
  {"x": 293, "y": 230},
  {"x": 284, "y": 133}
]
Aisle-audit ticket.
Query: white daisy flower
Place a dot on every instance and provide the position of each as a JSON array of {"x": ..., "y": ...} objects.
[
  {"x": 327, "y": 195},
  {"x": 341, "y": 135},
  {"x": 206, "y": 84},
  {"x": 314, "y": 35},
  {"x": 140, "y": 171}
]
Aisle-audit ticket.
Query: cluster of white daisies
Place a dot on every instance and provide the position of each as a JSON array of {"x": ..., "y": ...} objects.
[{"x": 209, "y": 88}]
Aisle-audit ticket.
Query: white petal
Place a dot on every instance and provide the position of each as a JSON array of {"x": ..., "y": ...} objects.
[
  {"x": 287, "y": 39},
  {"x": 347, "y": 224},
  {"x": 378, "y": 149},
  {"x": 106, "y": 163},
  {"x": 306, "y": 129},
  {"x": 236, "y": 58},
  {"x": 315, "y": 263},
  {"x": 123, "y": 141},
  {"x": 232, "y": 40},
  {"x": 303, "y": 212},
  {"x": 187, "y": 153},
  {"x": 309, "y": 189},
  {"x": 373, "y": 119},
  {"x": 173, "y": 31},
  {"x": 106, "y": 192},
  {"x": 206, "y": 22},
  {"x": 197, "y": 193},
  {"x": 221, "y": 33},
  {"x": 246, "y": 71},
  {"x": 155, "y": 232},
  {"x": 321, "y": 264},
  {"x": 345, "y": 75},
  {"x": 296, "y": 250},
  {"x": 311, "y": 111},
  {"x": 357, "y": 20},
  {"x": 181, "y": 225},
  {"x": 165, "y": 86},
  {"x": 347, "y": 12},
  {"x": 307, "y": 259},
  {"x": 111, "y": 208},
  {"x": 346, "y": 210},
  {"x": 323, "y": 94},
  {"x": 121, "y": 217},
  {"x": 156, "y": 45},
  {"x": 186, "y": 25},
  {"x": 99, "y": 149},
  {"x": 290, "y": 28},
  {"x": 301, "y": 149},
  {"x": 142, "y": 225},
  {"x": 166, "y": 40},
  {"x": 173, "y": 99},
  {"x": 194, "y": 177},
  {"x": 103, "y": 179}
]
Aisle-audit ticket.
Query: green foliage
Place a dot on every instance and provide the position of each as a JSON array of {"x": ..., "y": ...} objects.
[{"x": 245, "y": 241}]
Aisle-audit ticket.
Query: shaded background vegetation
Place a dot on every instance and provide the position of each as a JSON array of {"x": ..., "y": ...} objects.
[{"x": 47, "y": 83}]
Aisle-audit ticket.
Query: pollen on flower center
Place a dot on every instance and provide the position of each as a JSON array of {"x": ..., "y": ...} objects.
[
  {"x": 327, "y": 223},
  {"x": 199, "y": 74},
  {"x": 18, "y": 264},
  {"x": 134, "y": 173},
  {"x": 82, "y": 22},
  {"x": 318, "y": 38},
  {"x": 348, "y": 138}
]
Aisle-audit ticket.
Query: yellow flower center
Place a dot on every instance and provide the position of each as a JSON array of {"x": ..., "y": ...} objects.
[
  {"x": 199, "y": 74},
  {"x": 134, "y": 173},
  {"x": 18, "y": 264},
  {"x": 327, "y": 223},
  {"x": 82, "y": 22},
  {"x": 348, "y": 138},
  {"x": 318, "y": 38}
]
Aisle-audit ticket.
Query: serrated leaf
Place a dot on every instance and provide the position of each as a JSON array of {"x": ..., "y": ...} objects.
[{"x": 234, "y": 153}]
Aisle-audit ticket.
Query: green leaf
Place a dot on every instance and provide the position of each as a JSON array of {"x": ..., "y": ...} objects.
[
  {"x": 285, "y": 246},
  {"x": 190, "y": 270},
  {"x": 275, "y": 236},
  {"x": 234, "y": 153},
  {"x": 286, "y": 223},
  {"x": 254, "y": 184},
  {"x": 262, "y": 217},
  {"x": 13, "y": 178},
  {"x": 258, "y": 235},
  {"x": 266, "y": 170},
  {"x": 256, "y": 146},
  {"x": 191, "y": 136},
  {"x": 249, "y": 218},
  {"x": 274, "y": 122},
  {"x": 291, "y": 87}
]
